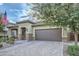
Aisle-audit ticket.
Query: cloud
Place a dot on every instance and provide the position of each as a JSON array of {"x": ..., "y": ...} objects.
[
  {"x": 27, "y": 15},
  {"x": 11, "y": 10},
  {"x": 11, "y": 21},
  {"x": 1, "y": 3},
  {"x": 20, "y": 12},
  {"x": 25, "y": 10},
  {"x": 16, "y": 11},
  {"x": 23, "y": 13}
]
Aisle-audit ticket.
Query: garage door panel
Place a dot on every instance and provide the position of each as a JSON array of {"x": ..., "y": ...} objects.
[
  {"x": 56, "y": 34},
  {"x": 49, "y": 34},
  {"x": 40, "y": 34}
]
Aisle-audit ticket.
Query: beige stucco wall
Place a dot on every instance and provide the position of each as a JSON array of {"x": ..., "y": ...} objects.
[
  {"x": 28, "y": 27},
  {"x": 31, "y": 29},
  {"x": 9, "y": 32},
  {"x": 9, "y": 29},
  {"x": 64, "y": 32}
]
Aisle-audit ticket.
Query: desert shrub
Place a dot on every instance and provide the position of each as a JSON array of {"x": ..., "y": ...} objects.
[
  {"x": 73, "y": 50},
  {"x": 11, "y": 40}
]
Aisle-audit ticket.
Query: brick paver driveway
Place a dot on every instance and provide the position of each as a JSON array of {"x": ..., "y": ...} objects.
[{"x": 34, "y": 48}]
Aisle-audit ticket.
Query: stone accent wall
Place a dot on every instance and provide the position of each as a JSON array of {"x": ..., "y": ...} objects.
[
  {"x": 19, "y": 36},
  {"x": 30, "y": 37}
]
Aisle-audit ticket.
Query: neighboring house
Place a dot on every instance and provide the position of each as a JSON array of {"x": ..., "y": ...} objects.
[{"x": 36, "y": 31}]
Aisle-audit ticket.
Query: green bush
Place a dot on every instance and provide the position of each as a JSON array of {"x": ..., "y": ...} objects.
[
  {"x": 11, "y": 40},
  {"x": 1, "y": 45},
  {"x": 73, "y": 50},
  {"x": 1, "y": 40}
]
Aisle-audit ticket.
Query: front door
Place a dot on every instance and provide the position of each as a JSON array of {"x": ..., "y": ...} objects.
[{"x": 23, "y": 33}]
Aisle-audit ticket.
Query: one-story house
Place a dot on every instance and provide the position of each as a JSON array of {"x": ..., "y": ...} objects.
[{"x": 36, "y": 31}]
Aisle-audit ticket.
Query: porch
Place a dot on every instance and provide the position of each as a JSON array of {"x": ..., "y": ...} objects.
[{"x": 19, "y": 33}]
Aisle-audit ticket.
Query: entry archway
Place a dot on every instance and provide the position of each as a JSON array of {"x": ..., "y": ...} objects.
[{"x": 23, "y": 33}]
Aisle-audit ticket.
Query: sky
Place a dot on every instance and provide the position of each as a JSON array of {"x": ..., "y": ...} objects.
[{"x": 15, "y": 11}]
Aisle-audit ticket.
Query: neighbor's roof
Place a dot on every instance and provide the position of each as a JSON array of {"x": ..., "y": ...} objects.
[{"x": 25, "y": 21}]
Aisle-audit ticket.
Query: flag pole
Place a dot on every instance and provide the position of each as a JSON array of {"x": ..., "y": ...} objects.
[{"x": 4, "y": 24}]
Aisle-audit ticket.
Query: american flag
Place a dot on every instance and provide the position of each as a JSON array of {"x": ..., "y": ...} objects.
[{"x": 4, "y": 19}]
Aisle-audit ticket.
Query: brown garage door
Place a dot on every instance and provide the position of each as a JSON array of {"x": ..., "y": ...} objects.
[{"x": 49, "y": 34}]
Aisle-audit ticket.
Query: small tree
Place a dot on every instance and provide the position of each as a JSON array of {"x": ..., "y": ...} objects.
[
  {"x": 1, "y": 29},
  {"x": 63, "y": 15},
  {"x": 1, "y": 25}
]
